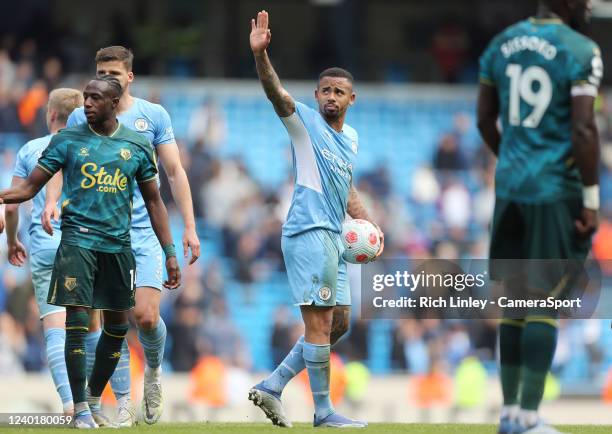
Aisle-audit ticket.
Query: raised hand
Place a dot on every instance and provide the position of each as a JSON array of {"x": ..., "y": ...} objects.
[{"x": 260, "y": 33}]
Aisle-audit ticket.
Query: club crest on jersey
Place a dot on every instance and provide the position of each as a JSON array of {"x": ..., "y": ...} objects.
[
  {"x": 141, "y": 124},
  {"x": 70, "y": 283},
  {"x": 126, "y": 154},
  {"x": 324, "y": 293},
  {"x": 84, "y": 152}
]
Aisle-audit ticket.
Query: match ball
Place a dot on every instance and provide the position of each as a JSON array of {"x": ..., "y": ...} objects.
[{"x": 361, "y": 241}]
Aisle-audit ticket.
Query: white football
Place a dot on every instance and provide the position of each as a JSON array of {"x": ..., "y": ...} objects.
[{"x": 361, "y": 241}]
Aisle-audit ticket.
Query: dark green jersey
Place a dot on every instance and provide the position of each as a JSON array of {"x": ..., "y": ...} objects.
[
  {"x": 537, "y": 66},
  {"x": 99, "y": 173}
]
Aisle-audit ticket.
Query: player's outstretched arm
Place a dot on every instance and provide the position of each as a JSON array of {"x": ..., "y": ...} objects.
[
  {"x": 50, "y": 211},
  {"x": 181, "y": 192},
  {"x": 16, "y": 250},
  {"x": 159, "y": 221},
  {"x": 488, "y": 112},
  {"x": 356, "y": 209},
  {"x": 585, "y": 143},
  {"x": 27, "y": 189},
  {"x": 283, "y": 103}
]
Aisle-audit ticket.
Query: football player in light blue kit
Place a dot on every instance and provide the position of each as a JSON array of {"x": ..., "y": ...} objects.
[
  {"x": 42, "y": 246},
  {"x": 324, "y": 150},
  {"x": 154, "y": 123}
]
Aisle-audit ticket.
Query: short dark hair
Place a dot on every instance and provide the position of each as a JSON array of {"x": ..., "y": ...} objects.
[
  {"x": 116, "y": 52},
  {"x": 113, "y": 83},
  {"x": 336, "y": 72}
]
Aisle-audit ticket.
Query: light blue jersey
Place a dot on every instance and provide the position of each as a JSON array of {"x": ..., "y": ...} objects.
[
  {"x": 26, "y": 161},
  {"x": 152, "y": 121},
  {"x": 323, "y": 170}
]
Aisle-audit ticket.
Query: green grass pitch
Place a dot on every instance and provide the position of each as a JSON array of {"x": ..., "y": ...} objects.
[{"x": 256, "y": 428}]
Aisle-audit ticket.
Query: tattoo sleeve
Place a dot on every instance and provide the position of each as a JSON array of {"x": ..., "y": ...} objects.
[
  {"x": 281, "y": 100},
  {"x": 355, "y": 207}
]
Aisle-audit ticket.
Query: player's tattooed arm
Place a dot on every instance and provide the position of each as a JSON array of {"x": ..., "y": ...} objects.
[
  {"x": 159, "y": 220},
  {"x": 488, "y": 112},
  {"x": 355, "y": 206},
  {"x": 356, "y": 209},
  {"x": 26, "y": 190},
  {"x": 260, "y": 37},
  {"x": 50, "y": 211}
]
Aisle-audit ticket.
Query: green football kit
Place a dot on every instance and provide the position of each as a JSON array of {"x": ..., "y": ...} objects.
[{"x": 94, "y": 265}]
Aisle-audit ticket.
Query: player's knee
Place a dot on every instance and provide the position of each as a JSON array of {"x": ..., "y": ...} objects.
[{"x": 147, "y": 318}]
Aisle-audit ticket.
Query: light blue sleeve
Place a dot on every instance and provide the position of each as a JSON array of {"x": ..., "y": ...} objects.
[
  {"x": 305, "y": 113},
  {"x": 163, "y": 127},
  {"x": 76, "y": 117},
  {"x": 21, "y": 169}
]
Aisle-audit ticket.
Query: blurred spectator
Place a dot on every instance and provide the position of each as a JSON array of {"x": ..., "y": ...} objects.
[
  {"x": 9, "y": 116},
  {"x": 200, "y": 166},
  {"x": 281, "y": 339},
  {"x": 7, "y": 72},
  {"x": 229, "y": 185},
  {"x": 52, "y": 72},
  {"x": 378, "y": 180},
  {"x": 184, "y": 330},
  {"x": 207, "y": 126},
  {"x": 12, "y": 346},
  {"x": 448, "y": 155},
  {"x": 455, "y": 206},
  {"x": 450, "y": 46},
  {"x": 221, "y": 336}
]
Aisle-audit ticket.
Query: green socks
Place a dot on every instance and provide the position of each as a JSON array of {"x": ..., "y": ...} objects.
[
  {"x": 510, "y": 333},
  {"x": 538, "y": 348},
  {"x": 526, "y": 348},
  {"x": 74, "y": 351},
  {"x": 108, "y": 353}
]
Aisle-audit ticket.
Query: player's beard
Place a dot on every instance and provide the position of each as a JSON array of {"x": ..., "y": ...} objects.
[{"x": 331, "y": 115}]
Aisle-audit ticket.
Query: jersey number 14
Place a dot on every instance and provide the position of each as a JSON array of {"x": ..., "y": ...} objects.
[{"x": 522, "y": 89}]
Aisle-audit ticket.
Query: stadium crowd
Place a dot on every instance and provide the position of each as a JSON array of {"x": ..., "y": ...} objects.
[{"x": 446, "y": 215}]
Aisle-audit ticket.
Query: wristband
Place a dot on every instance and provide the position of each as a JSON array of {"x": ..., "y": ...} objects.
[
  {"x": 169, "y": 250},
  {"x": 590, "y": 197}
]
